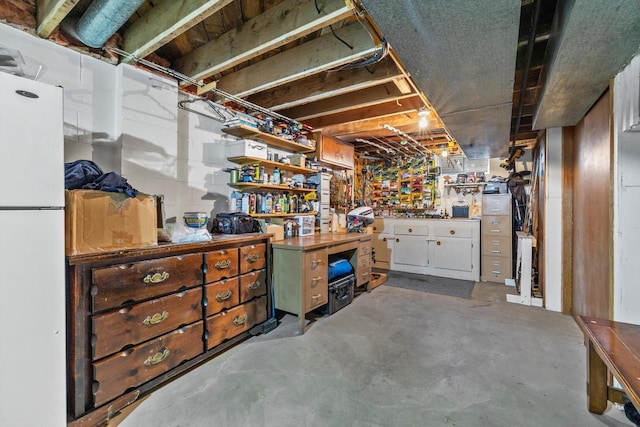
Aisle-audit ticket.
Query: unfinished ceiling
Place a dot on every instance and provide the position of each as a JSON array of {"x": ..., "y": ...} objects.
[{"x": 359, "y": 70}]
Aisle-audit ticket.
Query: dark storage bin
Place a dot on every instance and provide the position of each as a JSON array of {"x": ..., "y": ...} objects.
[
  {"x": 460, "y": 211},
  {"x": 340, "y": 293}
]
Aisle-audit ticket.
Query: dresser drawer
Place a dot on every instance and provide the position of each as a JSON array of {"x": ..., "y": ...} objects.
[
  {"x": 139, "y": 364},
  {"x": 113, "y": 286},
  {"x": 496, "y": 268},
  {"x": 496, "y": 225},
  {"x": 364, "y": 250},
  {"x": 253, "y": 257},
  {"x": 496, "y": 246},
  {"x": 463, "y": 230},
  {"x": 221, "y": 264},
  {"x": 253, "y": 285},
  {"x": 115, "y": 330},
  {"x": 235, "y": 321},
  {"x": 364, "y": 262},
  {"x": 221, "y": 294}
]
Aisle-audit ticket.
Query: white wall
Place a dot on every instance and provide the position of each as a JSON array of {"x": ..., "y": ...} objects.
[
  {"x": 553, "y": 221},
  {"x": 127, "y": 120},
  {"x": 626, "y": 242}
]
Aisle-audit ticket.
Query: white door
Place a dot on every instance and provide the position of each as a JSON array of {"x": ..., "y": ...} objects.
[
  {"x": 410, "y": 250},
  {"x": 32, "y": 319},
  {"x": 451, "y": 254}
]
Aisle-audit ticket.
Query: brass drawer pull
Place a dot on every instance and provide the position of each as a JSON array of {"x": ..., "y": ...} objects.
[
  {"x": 411, "y": 230},
  {"x": 315, "y": 280},
  {"x": 223, "y": 296},
  {"x": 253, "y": 257},
  {"x": 438, "y": 243},
  {"x": 315, "y": 262},
  {"x": 240, "y": 320},
  {"x": 452, "y": 231},
  {"x": 157, "y": 358},
  {"x": 316, "y": 297},
  {"x": 496, "y": 252},
  {"x": 384, "y": 239},
  {"x": 255, "y": 285},
  {"x": 152, "y": 279},
  {"x": 221, "y": 265},
  {"x": 155, "y": 319}
]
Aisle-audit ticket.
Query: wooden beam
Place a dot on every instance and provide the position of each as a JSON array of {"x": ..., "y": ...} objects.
[
  {"x": 370, "y": 126},
  {"x": 50, "y": 13},
  {"x": 403, "y": 85},
  {"x": 366, "y": 113},
  {"x": 317, "y": 55},
  {"x": 277, "y": 26},
  {"x": 326, "y": 85},
  {"x": 362, "y": 98},
  {"x": 165, "y": 22}
]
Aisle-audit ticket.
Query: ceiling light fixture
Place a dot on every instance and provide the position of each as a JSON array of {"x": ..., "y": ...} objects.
[{"x": 423, "y": 112}]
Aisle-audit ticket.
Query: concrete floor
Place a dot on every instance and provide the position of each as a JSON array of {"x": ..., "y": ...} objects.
[{"x": 394, "y": 357}]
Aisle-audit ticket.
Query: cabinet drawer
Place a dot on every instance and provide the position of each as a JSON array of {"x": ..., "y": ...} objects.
[
  {"x": 496, "y": 225},
  {"x": 496, "y": 267},
  {"x": 364, "y": 250},
  {"x": 253, "y": 285},
  {"x": 364, "y": 262},
  {"x": 364, "y": 276},
  {"x": 452, "y": 230},
  {"x": 231, "y": 323},
  {"x": 132, "y": 325},
  {"x": 496, "y": 204},
  {"x": 113, "y": 286},
  {"x": 414, "y": 229},
  {"x": 496, "y": 246},
  {"x": 253, "y": 257},
  {"x": 221, "y": 294},
  {"x": 221, "y": 264},
  {"x": 136, "y": 365},
  {"x": 316, "y": 290}
]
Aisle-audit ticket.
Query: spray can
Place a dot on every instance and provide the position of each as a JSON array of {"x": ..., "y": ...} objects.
[
  {"x": 268, "y": 209},
  {"x": 252, "y": 203}
]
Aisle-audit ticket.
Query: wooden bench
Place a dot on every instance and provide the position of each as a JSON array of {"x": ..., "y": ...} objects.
[{"x": 613, "y": 347}]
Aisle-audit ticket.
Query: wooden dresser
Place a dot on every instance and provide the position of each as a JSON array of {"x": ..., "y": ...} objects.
[
  {"x": 300, "y": 269},
  {"x": 139, "y": 318}
]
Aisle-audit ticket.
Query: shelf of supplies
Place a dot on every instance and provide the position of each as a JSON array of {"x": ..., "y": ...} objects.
[
  {"x": 243, "y": 131},
  {"x": 246, "y": 160},
  {"x": 468, "y": 184},
  {"x": 282, "y": 215},
  {"x": 242, "y": 186}
]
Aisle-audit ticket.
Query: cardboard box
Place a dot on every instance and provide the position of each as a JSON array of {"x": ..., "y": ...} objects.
[
  {"x": 100, "y": 221},
  {"x": 277, "y": 231}
]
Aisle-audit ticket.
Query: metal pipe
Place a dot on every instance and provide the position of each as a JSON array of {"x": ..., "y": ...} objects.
[{"x": 102, "y": 19}]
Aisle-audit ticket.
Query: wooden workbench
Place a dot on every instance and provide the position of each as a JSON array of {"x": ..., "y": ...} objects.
[
  {"x": 300, "y": 269},
  {"x": 612, "y": 347}
]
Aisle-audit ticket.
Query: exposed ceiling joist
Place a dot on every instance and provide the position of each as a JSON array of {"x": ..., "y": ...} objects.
[
  {"x": 337, "y": 104},
  {"x": 410, "y": 105},
  {"x": 320, "y": 54},
  {"x": 326, "y": 85},
  {"x": 165, "y": 22},
  {"x": 370, "y": 126},
  {"x": 50, "y": 13},
  {"x": 277, "y": 26}
]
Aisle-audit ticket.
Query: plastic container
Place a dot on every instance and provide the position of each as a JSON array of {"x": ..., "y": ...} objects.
[{"x": 195, "y": 219}]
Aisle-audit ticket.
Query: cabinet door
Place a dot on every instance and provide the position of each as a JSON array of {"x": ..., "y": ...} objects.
[
  {"x": 411, "y": 250},
  {"x": 451, "y": 254}
]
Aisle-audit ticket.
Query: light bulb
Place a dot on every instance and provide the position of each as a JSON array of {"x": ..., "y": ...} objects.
[
  {"x": 423, "y": 123},
  {"x": 444, "y": 153}
]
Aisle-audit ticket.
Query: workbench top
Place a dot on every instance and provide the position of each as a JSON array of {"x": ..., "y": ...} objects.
[{"x": 318, "y": 240}]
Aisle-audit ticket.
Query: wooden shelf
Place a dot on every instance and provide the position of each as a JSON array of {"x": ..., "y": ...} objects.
[
  {"x": 246, "y": 160},
  {"x": 469, "y": 184},
  {"x": 243, "y": 131},
  {"x": 242, "y": 186},
  {"x": 283, "y": 215}
]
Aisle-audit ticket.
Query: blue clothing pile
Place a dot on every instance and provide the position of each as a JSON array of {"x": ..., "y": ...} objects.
[{"x": 87, "y": 175}]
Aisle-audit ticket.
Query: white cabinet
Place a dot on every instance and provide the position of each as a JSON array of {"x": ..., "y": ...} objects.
[{"x": 446, "y": 248}]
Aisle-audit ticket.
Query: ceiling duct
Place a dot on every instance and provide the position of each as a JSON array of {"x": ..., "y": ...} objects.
[{"x": 102, "y": 19}]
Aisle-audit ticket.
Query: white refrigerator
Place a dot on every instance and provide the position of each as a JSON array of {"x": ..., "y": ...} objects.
[{"x": 32, "y": 264}]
